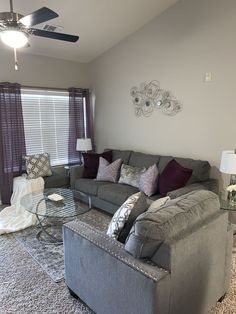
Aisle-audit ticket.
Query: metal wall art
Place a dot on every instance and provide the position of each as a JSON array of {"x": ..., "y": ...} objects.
[{"x": 149, "y": 97}]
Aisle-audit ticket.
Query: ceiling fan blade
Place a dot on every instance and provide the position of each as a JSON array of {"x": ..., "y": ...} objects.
[
  {"x": 39, "y": 16},
  {"x": 53, "y": 35}
]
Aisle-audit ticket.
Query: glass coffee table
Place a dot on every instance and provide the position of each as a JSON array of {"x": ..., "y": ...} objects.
[{"x": 51, "y": 215}]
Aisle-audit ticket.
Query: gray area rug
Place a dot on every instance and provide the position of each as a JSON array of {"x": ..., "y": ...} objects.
[{"x": 50, "y": 257}]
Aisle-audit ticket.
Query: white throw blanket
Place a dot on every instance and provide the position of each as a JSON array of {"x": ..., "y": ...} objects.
[{"x": 15, "y": 217}]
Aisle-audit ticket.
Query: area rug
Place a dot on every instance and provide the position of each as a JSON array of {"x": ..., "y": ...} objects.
[{"x": 50, "y": 257}]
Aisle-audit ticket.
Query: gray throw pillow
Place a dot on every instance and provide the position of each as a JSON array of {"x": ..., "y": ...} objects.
[
  {"x": 38, "y": 165},
  {"x": 139, "y": 207},
  {"x": 131, "y": 175}
]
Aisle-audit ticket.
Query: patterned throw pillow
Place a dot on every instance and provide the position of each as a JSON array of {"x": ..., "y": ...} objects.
[
  {"x": 131, "y": 175},
  {"x": 121, "y": 216},
  {"x": 108, "y": 172},
  {"x": 139, "y": 207},
  {"x": 38, "y": 165},
  {"x": 148, "y": 181}
]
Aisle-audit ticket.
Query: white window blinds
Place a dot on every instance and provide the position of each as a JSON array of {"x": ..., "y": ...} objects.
[{"x": 46, "y": 123}]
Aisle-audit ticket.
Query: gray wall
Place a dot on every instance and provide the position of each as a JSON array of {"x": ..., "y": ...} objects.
[
  {"x": 177, "y": 48},
  {"x": 42, "y": 71}
]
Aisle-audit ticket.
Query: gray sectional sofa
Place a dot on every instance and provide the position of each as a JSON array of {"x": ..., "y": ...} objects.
[
  {"x": 109, "y": 196},
  {"x": 183, "y": 265}
]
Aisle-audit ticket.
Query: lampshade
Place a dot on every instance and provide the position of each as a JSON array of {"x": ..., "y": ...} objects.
[
  {"x": 83, "y": 144},
  {"x": 228, "y": 162},
  {"x": 14, "y": 38}
]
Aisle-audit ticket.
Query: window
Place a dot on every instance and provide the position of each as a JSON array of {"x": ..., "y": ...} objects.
[{"x": 46, "y": 123}]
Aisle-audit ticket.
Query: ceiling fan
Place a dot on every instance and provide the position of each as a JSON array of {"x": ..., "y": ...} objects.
[{"x": 16, "y": 28}]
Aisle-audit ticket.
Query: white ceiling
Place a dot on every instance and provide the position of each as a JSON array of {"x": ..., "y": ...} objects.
[{"x": 100, "y": 24}]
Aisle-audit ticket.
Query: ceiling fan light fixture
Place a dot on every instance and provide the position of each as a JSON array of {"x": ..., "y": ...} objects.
[{"x": 14, "y": 38}]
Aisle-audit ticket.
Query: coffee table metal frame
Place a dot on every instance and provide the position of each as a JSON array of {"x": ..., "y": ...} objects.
[{"x": 56, "y": 213}]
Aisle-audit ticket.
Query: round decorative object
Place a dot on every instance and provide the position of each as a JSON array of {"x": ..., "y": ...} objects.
[
  {"x": 133, "y": 91},
  {"x": 150, "y": 96},
  {"x": 147, "y": 107},
  {"x": 138, "y": 100}
]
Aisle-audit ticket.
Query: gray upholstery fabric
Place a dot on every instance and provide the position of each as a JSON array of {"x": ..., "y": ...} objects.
[
  {"x": 124, "y": 155},
  {"x": 59, "y": 178},
  {"x": 156, "y": 226},
  {"x": 116, "y": 193},
  {"x": 107, "y": 278},
  {"x": 113, "y": 197},
  {"x": 76, "y": 172},
  {"x": 143, "y": 160},
  {"x": 110, "y": 280},
  {"x": 89, "y": 186},
  {"x": 201, "y": 169}
]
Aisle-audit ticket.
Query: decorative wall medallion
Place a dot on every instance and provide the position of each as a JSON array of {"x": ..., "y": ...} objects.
[{"x": 149, "y": 97}]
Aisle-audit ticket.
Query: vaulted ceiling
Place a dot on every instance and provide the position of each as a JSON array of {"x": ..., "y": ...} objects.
[{"x": 101, "y": 24}]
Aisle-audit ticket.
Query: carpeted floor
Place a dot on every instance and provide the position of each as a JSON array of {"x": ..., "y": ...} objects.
[{"x": 26, "y": 289}]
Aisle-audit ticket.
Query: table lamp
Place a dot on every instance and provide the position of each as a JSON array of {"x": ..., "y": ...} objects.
[
  {"x": 228, "y": 164},
  {"x": 83, "y": 144}
]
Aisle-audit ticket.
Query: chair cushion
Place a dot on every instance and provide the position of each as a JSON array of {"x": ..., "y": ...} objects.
[
  {"x": 89, "y": 186},
  {"x": 156, "y": 226},
  {"x": 142, "y": 160},
  {"x": 115, "y": 193}
]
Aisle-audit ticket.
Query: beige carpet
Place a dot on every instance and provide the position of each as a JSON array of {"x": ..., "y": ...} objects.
[{"x": 26, "y": 289}]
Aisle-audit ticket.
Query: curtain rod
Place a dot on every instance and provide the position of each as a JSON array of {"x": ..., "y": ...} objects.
[{"x": 45, "y": 88}]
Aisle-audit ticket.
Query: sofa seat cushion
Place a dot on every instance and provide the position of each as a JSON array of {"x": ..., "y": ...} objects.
[
  {"x": 156, "y": 226},
  {"x": 116, "y": 193},
  {"x": 89, "y": 186}
]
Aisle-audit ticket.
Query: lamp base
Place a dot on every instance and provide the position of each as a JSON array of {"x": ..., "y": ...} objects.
[{"x": 232, "y": 179}]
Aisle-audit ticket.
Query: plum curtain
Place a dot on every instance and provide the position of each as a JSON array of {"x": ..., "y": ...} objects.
[
  {"x": 12, "y": 138},
  {"x": 80, "y": 121}
]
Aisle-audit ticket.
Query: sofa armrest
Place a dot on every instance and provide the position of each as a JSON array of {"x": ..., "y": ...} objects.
[
  {"x": 211, "y": 184},
  {"x": 76, "y": 172},
  {"x": 97, "y": 268},
  {"x": 115, "y": 249}
]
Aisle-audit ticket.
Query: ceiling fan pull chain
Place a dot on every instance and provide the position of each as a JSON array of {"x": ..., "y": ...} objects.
[{"x": 15, "y": 59}]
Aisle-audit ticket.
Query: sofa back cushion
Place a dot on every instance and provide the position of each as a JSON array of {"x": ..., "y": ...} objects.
[
  {"x": 142, "y": 160},
  {"x": 201, "y": 169},
  {"x": 157, "y": 226},
  {"x": 124, "y": 155}
]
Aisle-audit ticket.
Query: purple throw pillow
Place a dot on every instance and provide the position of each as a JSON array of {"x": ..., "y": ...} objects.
[
  {"x": 91, "y": 163},
  {"x": 173, "y": 177},
  {"x": 108, "y": 171},
  {"x": 148, "y": 181}
]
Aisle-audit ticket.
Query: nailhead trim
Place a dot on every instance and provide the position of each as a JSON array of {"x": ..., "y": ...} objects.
[{"x": 75, "y": 228}]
